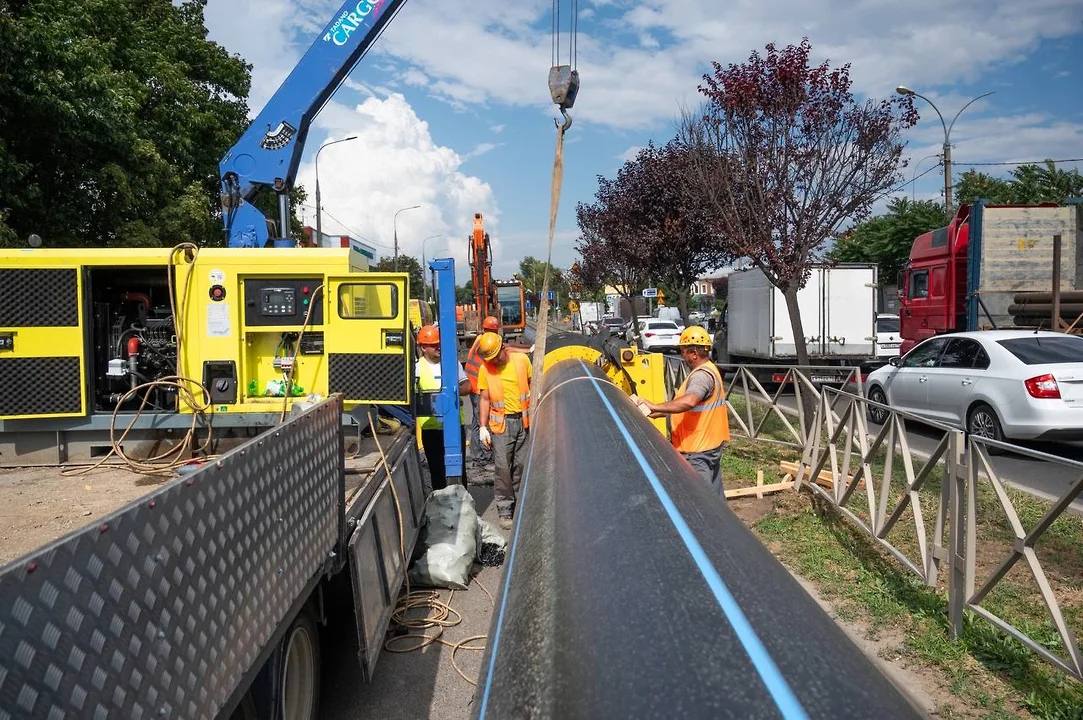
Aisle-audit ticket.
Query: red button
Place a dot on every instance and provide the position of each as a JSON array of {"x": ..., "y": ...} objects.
[
  {"x": 218, "y": 292},
  {"x": 305, "y": 289}
]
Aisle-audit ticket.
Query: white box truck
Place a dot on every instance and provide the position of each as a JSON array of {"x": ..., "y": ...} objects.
[{"x": 838, "y": 315}]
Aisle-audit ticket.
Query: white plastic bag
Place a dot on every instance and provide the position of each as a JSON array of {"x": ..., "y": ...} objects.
[{"x": 450, "y": 538}]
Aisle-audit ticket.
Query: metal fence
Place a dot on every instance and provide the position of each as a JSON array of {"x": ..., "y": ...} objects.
[
  {"x": 797, "y": 393},
  {"x": 853, "y": 465}
]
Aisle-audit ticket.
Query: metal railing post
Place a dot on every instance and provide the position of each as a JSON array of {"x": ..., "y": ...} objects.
[{"x": 958, "y": 479}]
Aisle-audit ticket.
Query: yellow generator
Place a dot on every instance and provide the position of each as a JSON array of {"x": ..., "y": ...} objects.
[{"x": 80, "y": 328}]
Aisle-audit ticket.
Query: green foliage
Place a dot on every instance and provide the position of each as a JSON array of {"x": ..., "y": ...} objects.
[
  {"x": 113, "y": 116},
  {"x": 1027, "y": 184},
  {"x": 407, "y": 264},
  {"x": 886, "y": 239}
]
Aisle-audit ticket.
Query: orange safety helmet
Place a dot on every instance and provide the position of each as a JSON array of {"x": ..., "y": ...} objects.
[
  {"x": 489, "y": 346},
  {"x": 491, "y": 324},
  {"x": 428, "y": 335}
]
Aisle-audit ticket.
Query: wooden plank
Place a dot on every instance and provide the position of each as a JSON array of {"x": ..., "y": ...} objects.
[
  {"x": 759, "y": 490},
  {"x": 759, "y": 483}
]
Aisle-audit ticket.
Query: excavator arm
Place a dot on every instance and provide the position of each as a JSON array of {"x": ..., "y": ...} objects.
[{"x": 269, "y": 152}]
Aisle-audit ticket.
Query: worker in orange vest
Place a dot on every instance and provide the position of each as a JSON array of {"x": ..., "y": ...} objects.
[
  {"x": 699, "y": 424},
  {"x": 481, "y": 455},
  {"x": 504, "y": 382}
]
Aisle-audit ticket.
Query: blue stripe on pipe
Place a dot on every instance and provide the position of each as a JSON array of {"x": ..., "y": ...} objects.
[
  {"x": 495, "y": 640},
  {"x": 779, "y": 689}
]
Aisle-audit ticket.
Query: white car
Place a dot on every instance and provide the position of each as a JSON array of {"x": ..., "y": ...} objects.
[
  {"x": 1000, "y": 384},
  {"x": 657, "y": 335},
  {"x": 888, "y": 339}
]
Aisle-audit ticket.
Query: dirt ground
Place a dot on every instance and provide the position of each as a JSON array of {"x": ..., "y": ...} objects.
[{"x": 38, "y": 505}]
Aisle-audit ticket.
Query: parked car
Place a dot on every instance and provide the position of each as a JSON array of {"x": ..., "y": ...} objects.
[
  {"x": 658, "y": 335},
  {"x": 696, "y": 317},
  {"x": 611, "y": 326},
  {"x": 888, "y": 339},
  {"x": 999, "y": 384}
]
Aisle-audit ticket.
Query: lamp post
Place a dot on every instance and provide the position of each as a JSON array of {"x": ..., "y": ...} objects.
[
  {"x": 424, "y": 265},
  {"x": 395, "y": 231},
  {"x": 903, "y": 90},
  {"x": 319, "y": 208}
]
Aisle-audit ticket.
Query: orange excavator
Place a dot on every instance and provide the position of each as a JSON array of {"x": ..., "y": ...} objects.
[{"x": 481, "y": 277}]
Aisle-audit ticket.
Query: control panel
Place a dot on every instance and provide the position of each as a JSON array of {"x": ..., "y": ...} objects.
[
  {"x": 278, "y": 301},
  {"x": 282, "y": 301}
]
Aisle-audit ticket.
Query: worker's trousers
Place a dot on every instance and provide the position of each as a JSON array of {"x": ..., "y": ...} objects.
[
  {"x": 708, "y": 465},
  {"x": 480, "y": 454},
  {"x": 509, "y": 456}
]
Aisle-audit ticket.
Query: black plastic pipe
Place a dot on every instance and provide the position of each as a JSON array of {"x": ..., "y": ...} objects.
[{"x": 631, "y": 590}]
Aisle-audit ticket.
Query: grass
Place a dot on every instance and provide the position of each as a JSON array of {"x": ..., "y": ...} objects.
[{"x": 985, "y": 672}]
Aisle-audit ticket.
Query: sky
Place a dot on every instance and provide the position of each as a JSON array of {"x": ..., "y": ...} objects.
[{"x": 452, "y": 111}]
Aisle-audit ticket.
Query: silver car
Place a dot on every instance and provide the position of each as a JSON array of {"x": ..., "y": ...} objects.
[{"x": 1000, "y": 384}]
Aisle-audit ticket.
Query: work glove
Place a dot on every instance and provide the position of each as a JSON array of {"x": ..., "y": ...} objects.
[{"x": 486, "y": 437}]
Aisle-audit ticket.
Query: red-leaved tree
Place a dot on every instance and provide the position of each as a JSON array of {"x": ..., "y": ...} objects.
[
  {"x": 785, "y": 154},
  {"x": 612, "y": 245},
  {"x": 683, "y": 229}
]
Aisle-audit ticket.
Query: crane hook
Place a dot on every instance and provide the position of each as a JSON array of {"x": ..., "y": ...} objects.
[{"x": 563, "y": 127}]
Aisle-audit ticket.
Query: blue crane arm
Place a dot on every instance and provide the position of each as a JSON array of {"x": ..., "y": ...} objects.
[{"x": 269, "y": 152}]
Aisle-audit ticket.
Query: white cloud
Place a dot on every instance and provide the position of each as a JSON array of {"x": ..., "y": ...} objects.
[
  {"x": 393, "y": 164},
  {"x": 630, "y": 154},
  {"x": 500, "y": 52},
  {"x": 481, "y": 149}
]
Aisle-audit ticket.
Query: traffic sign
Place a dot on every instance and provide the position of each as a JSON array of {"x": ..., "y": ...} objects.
[
  {"x": 650, "y": 292},
  {"x": 552, "y": 295},
  {"x": 573, "y": 306}
]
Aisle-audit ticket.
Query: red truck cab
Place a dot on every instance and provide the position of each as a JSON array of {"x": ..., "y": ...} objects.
[{"x": 932, "y": 290}]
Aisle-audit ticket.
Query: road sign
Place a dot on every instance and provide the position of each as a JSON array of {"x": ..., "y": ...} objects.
[
  {"x": 573, "y": 306},
  {"x": 650, "y": 292},
  {"x": 552, "y": 295}
]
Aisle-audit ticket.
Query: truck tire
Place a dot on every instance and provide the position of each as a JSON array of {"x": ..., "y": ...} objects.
[{"x": 299, "y": 698}]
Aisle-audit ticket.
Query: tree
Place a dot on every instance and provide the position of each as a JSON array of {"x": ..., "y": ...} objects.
[
  {"x": 464, "y": 294},
  {"x": 682, "y": 228},
  {"x": 113, "y": 116},
  {"x": 785, "y": 155},
  {"x": 612, "y": 246},
  {"x": 407, "y": 264},
  {"x": 1028, "y": 184},
  {"x": 532, "y": 274},
  {"x": 886, "y": 239}
]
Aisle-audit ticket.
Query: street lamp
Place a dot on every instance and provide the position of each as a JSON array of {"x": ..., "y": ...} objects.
[
  {"x": 424, "y": 266},
  {"x": 903, "y": 90},
  {"x": 395, "y": 230},
  {"x": 319, "y": 208}
]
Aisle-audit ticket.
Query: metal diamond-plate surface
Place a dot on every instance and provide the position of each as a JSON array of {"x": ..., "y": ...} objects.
[
  {"x": 38, "y": 298},
  {"x": 40, "y": 386},
  {"x": 368, "y": 377},
  {"x": 159, "y": 610}
]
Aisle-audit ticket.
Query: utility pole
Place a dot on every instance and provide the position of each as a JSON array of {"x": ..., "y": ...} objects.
[{"x": 903, "y": 90}]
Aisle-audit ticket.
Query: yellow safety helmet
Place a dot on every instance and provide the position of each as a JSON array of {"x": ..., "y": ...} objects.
[
  {"x": 695, "y": 335},
  {"x": 489, "y": 346}
]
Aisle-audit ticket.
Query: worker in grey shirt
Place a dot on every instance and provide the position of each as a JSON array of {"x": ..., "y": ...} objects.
[{"x": 699, "y": 421}]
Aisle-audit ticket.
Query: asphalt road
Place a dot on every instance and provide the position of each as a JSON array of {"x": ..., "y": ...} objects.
[
  {"x": 421, "y": 684},
  {"x": 1045, "y": 479}
]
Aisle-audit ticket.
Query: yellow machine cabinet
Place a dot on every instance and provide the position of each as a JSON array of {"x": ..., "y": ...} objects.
[{"x": 80, "y": 329}]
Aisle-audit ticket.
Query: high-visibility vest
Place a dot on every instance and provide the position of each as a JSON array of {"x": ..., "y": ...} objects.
[
  {"x": 496, "y": 394},
  {"x": 473, "y": 365},
  {"x": 707, "y": 425},
  {"x": 428, "y": 385}
]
